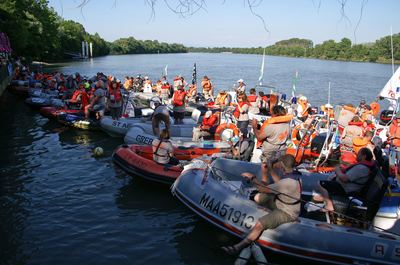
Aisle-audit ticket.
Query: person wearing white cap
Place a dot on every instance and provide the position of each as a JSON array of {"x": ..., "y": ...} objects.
[
  {"x": 147, "y": 85},
  {"x": 328, "y": 110},
  {"x": 207, "y": 127},
  {"x": 160, "y": 114},
  {"x": 303, "y": 108},
  {"x": 241, "y": 88}
]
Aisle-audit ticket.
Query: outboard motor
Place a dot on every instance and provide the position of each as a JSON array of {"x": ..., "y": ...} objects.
[
  {"x": 318, "y": 143},
  {"x": 386, "y": 116}
]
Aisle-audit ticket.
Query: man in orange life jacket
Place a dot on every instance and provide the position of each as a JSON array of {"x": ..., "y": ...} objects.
[
  {"x": 207, "y": 87},
  {"x": 207, "y": 127},
  {"x": 348, "y": 182},
  {"x": 254, "y": 101},
  {"x": 80, "y": 96},
  {"x": 222, "y": 99},
  {"x": 273, "y": 137},
  {"x": 178, "y": 101}
]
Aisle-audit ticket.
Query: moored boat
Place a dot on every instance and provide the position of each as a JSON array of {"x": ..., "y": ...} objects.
[
  {"x": 218, "y": 194},
  {"x": 137, "y": 160}
]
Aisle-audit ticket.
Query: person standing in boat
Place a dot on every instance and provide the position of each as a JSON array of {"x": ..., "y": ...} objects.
[
  {"x": 207, "y": 87},
  {"x": 241, "y": 113},
  {"x": 254, "y": 101},
  {"x": 97, "y": 102},
  {"x": 160, "y": 114},
  {"x": 241, "y": 88},
  {"x": 282, "y": 199},
  {"x": 273, "y": 136},
  {"x": 179, "y": 103},
  {"x": 114, "y": 100},
  {"x": 303, "y": 108},
  {"x": 163, "y": 151},
  {"x": 164, "y": 91}
]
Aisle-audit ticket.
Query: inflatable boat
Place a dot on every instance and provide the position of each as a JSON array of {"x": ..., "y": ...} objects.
[
  {"x": 137, "y": 160},
  {"x": 218, "y": 194},
  {"x": 78, "y": 122},
  {"x": 39, "y": 102},
  {"x": 53, "y": 112}
]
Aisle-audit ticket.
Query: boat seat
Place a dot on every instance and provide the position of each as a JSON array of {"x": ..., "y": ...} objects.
[{"x": 364, "y": 205}]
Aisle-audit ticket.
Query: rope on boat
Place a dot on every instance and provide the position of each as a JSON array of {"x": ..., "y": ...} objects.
[{"x": 314, "y": 204}]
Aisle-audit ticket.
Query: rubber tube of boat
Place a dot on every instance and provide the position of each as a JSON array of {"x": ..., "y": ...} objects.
[
  {"x": 243, "y": 256},
  {"x": 258, "y": 255}
]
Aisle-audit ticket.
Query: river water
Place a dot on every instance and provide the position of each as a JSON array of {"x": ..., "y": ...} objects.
[{"x": 60, "y": 205}]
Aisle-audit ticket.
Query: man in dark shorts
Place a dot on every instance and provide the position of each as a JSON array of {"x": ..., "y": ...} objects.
[{"x": 282, "y": 198}]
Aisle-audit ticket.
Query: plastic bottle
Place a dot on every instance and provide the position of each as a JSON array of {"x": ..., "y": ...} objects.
[
  {"x": 258, "y": 255},
  {"x": 244, "y": 256}
]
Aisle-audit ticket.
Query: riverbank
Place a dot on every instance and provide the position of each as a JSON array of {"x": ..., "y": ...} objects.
[{"x": 4, "y": 78}]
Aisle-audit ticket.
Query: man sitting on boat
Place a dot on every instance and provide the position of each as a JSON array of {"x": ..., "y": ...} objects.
[
  {"x": 207, "y": 127},
  {"x": 347, "y": 182},
  {"x": 223, "y": 99},
  {"x": 303, "y": 108},
  {"x": 163, "y": 151},
  {"x": 160, "y": 114},
  {"x": 282, "y": 198}
]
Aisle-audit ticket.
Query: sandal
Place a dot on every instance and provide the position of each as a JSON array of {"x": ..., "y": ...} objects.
[{"x": 231, "y": 250}]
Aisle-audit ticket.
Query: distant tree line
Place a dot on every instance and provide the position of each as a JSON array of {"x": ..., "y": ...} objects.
[
  {"x": 132, "y": 46},
  {"x": 379, "y": 51},
  {"x": 37, "y": 32}
]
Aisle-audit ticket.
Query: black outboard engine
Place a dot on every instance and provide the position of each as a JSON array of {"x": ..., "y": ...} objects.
[{"x": 386, "y": 116}]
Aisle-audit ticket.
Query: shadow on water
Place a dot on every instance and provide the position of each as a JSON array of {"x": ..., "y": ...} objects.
[{"x": 14, "y": 206}]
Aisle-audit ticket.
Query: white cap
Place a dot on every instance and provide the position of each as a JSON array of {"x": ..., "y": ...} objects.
[
  {"x": 328, "y": 106},
  {"x": 146, "y": 77},
  {"x": 240, "y": 81},
  {"x": 208, "y": 114},
  {"x": 304, "y": 98}
]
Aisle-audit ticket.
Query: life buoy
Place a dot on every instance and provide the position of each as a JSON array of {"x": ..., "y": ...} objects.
[{"x": 225, "y": 126}]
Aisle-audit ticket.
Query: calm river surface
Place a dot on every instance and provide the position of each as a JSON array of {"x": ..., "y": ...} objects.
[{"x": 59, "y": 205}]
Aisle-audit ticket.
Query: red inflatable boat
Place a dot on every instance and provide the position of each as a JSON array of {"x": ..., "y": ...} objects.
[
  {"x": 137, "y": 160},
  {"x": 53, "y": 112}
]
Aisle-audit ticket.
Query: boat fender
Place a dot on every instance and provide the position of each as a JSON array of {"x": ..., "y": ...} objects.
[
  {"x": 258, "y": 255},
  {"x": 244, "y": 256}
]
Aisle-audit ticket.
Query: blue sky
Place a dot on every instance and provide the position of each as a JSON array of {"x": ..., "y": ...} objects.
[{"x": 230, "y": 23}]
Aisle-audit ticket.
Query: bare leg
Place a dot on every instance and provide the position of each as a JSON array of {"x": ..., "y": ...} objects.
[
  {"x": 264, "y": 173},
  {"x": 325, "y": 197},
  {"x": 252, "y": 236}
]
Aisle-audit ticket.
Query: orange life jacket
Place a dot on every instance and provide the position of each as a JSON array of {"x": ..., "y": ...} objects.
[
  {"x": 210, "y": 121},
  {"x": 236, "y": 112},
  {"x": 394, "y": 132},
  {"x": 375, "y": 107},
  {"x": 222, "y": 98},
  {"x": 206, "y": 84},
  {"x": 252, "y": 98},
  {"x": 116, "y": 93},
  {"x": 275, "y": 120},
  {"x": 358, "y": 143},
  {"x": 179, "y": 97}
]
